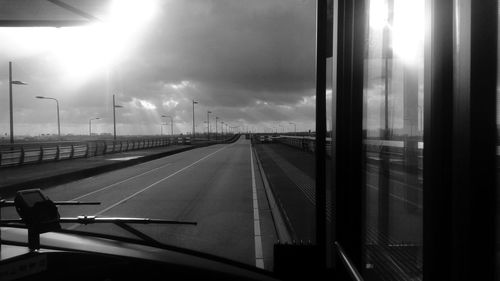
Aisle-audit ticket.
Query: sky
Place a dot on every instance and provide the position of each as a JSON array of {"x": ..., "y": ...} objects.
[{"x": 251, "y": 63}]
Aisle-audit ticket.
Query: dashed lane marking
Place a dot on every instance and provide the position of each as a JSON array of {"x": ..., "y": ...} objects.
[{"x": 259, "y": 256}]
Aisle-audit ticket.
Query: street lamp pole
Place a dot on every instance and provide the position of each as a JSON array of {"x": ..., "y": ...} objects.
[
  {"x": 216, "y": 118},
  {"x": 171, "y": 123},
  {"x": 208, "y": 124},
  {"x": 114, "y": 117},
  {"x": 90, "y": 124},
  {"x": 295, "y": 127},
  {"x": 194, "y": 102},
  {"x": 161, "y": 125},
  {"x": 58, "y": 119},
  {"x": 11, "y": 102}
]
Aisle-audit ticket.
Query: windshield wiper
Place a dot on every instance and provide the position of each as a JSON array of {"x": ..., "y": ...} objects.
[
  {"x": 39, "y": 214},
  {"x": 122, "y": 222}
]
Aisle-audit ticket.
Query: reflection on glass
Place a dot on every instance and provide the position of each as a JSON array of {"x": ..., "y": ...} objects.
[
  {"x": 393, "y": 131},
  {"x": 498, "y": 154}
]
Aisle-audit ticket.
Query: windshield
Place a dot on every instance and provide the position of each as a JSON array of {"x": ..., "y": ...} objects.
[{"x": 199, "y": 111}]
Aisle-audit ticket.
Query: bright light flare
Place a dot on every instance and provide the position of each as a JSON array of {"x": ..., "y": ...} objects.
[
  {"x": 85, "y": 50},
  {"x": 408, "y": 29},
  {"x": 378, "y": 14},
  {"x": 147, "y": 105},
  {"x": 131, "y": 12}
]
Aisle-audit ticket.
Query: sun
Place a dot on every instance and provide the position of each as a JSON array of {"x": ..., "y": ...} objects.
[{"x": 87, "y": 50}]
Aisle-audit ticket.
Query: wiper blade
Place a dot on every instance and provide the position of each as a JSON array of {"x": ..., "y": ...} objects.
[
  {"x": 40, "y": 215},
  {"x": 119, "y": 221},
  {"x": 94, "y": 219},
  {"x": 5, "y": 203}
]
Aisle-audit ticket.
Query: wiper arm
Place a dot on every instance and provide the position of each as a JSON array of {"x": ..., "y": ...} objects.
[
  {"x": 40, "y": 215},
  {"x": 5, "y": 203},
  {"x": 118, "y": 221},
  {"x": 124, "y": 224},
  {"x": 94, "y": 219}
]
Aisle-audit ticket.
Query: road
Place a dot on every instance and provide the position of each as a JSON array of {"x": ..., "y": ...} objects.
[{"x": 214, "y": 186}]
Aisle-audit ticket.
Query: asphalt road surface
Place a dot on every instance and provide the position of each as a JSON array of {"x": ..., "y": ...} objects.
[{"x": 214, "y": 186}]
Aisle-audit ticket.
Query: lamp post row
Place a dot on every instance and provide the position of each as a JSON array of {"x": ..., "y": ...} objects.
[
  {"x": 208, "y": 123},
  {"x": 17, "y": 82}
]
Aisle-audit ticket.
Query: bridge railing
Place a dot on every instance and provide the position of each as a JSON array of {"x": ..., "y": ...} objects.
[
  {"x": 374, "y": 145},
  {"x": 32, "y": 153},
  {"x": 28, "y": 153},
  {"x": 374, "y": 148}
]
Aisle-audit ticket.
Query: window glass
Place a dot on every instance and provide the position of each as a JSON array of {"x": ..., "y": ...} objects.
[
  {"x": 393, "y": 139},
  {"x": 215, "y": 99},
  {"x": 498, "y": 154}
]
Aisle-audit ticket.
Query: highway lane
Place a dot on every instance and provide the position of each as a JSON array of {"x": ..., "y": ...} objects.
[{"x": 210, "y": 185}]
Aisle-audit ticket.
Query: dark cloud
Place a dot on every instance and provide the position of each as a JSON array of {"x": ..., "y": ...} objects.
[
  {"x": 247, "y": 61},
  {"x": 258, "y": 47}
]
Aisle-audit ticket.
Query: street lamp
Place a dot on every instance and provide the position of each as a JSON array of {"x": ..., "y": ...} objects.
[
  {"x": 10, "y": 101},
  {"x": 58, "y": 119},
  {"x": 114, "y": 117},
  {"x": 295, "y": 127},
  {"x": 205, "y": 122},
  {"x": 90, "y": 124},
  {"x": 216, "y": 118},
  {"x": 282, "y": 128},
  {"x": 208, "y": 124},
  {"x": 161, "y": 128},
  {"x": 194, "y": 102},
  {"x": 171, "y": 124}
]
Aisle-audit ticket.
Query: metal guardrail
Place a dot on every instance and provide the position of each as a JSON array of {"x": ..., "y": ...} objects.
[
  {"x": 308, "y": 143},
  {"x": 395, "y": 150},
  {"x": 29, "y": 153},
  {"x": 33, "y": 153}
]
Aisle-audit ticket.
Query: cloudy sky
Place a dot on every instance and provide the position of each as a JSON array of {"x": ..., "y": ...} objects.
[{"x": 249, "y": 62}]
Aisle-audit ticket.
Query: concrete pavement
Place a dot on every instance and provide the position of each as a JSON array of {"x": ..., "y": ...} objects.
[
  {"x": 52, "y": 173},
  {"x": 213, "y": 186}
]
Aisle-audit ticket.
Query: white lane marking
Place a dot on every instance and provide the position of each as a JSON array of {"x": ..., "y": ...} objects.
[
  {"x": 153, "y": 184},
  {"x": 124, "y": 158},
  {"x": 117, "y": 183},
  {"x": 127, "y": 179},
  {"x": 259, "y": 256}
]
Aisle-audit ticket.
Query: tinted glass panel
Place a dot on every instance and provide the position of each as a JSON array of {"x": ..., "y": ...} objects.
[{"x": 393, "y": 143}]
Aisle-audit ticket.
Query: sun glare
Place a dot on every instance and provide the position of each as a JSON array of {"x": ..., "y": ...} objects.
[
  {"x": 378, "y": 14},
  {"x": 83, "y": 51},
  {"x": 409, "y": 29}
]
